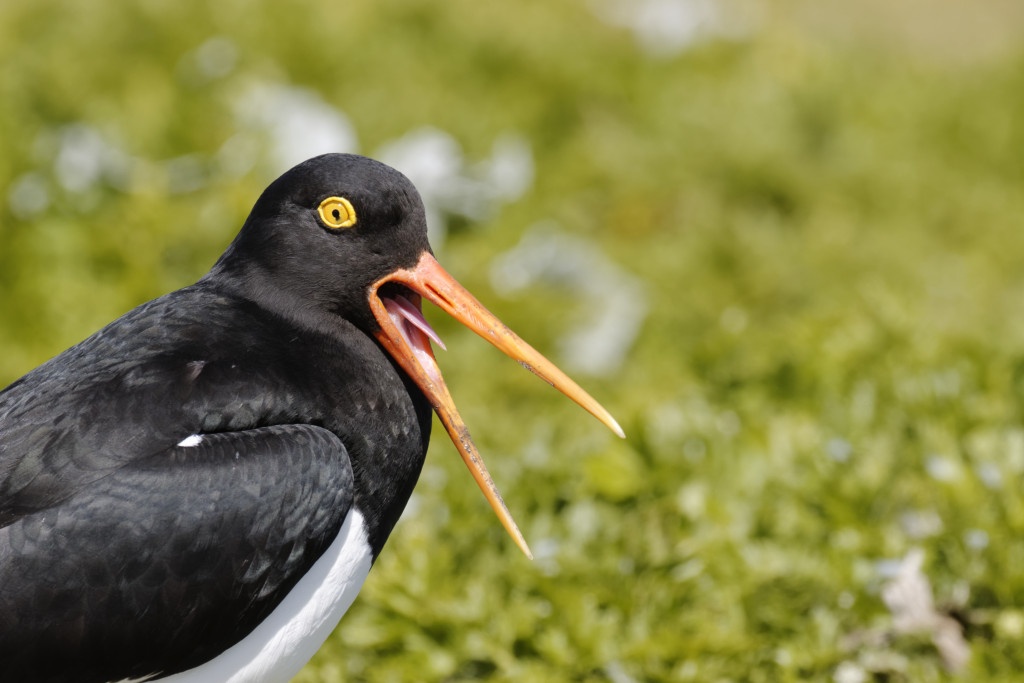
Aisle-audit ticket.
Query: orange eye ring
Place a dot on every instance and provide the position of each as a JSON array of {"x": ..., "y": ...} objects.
[{"x": 337, "y": 212}]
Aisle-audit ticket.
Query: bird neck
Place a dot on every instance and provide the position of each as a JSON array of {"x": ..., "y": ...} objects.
[{"x": 248, "y": 279}]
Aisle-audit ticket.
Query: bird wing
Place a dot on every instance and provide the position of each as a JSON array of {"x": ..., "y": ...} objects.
[
  {"x": 149, "y": 546},
  {"x": 167, "y": 560},
  {"x": 189, "y": 362}
]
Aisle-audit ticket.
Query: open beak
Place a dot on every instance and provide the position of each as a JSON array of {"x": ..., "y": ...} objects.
[{"x": 405, "y": 334}]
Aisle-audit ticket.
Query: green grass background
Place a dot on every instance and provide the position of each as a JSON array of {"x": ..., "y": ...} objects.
[{"x": 825, "y": 207}]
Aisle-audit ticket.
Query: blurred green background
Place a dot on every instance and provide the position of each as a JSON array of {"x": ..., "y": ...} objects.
[{"x": 781, "y": 241}]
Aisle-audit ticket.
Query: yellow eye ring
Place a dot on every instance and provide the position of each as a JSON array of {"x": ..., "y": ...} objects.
[{"x": 337, "y": 212}]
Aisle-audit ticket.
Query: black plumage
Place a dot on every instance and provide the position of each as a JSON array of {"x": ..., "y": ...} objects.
[{"x": 117, "y": 544}]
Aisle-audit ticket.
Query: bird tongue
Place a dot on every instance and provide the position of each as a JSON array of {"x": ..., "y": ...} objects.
[
  {"x": 400, "y": 308},
  {"x": 408, "y": 318}
]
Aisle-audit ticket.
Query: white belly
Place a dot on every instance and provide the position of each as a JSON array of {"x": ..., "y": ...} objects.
[{"x": 287, "y": 639}]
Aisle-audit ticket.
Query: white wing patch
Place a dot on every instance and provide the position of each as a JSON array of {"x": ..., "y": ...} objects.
[
  {"x": 282, "y": 644},
  {"x": 191, "y": 441}
]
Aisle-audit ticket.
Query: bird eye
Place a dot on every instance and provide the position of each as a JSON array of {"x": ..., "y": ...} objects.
[{"x": 337, "y": 212}]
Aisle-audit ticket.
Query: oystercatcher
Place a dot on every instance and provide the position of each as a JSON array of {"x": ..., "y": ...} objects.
[{"x": 197, "y": 491}]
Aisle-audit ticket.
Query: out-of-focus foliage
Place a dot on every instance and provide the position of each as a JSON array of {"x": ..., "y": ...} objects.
[{"x": 819, "y": 207}]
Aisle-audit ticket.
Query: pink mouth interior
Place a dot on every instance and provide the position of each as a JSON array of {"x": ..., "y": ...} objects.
[
  {"x": 416, "y": 332},
  {"x": 404, "y": 312}
]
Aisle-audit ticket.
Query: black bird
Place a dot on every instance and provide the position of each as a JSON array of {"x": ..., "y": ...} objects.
[{"x": 197, "y": 491}]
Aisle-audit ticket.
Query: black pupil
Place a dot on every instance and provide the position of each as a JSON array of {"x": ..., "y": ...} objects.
[{"x": 336, "y": 214}]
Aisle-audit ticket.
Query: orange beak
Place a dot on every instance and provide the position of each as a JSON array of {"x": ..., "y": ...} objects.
[{"x": 406, "y": 336}]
